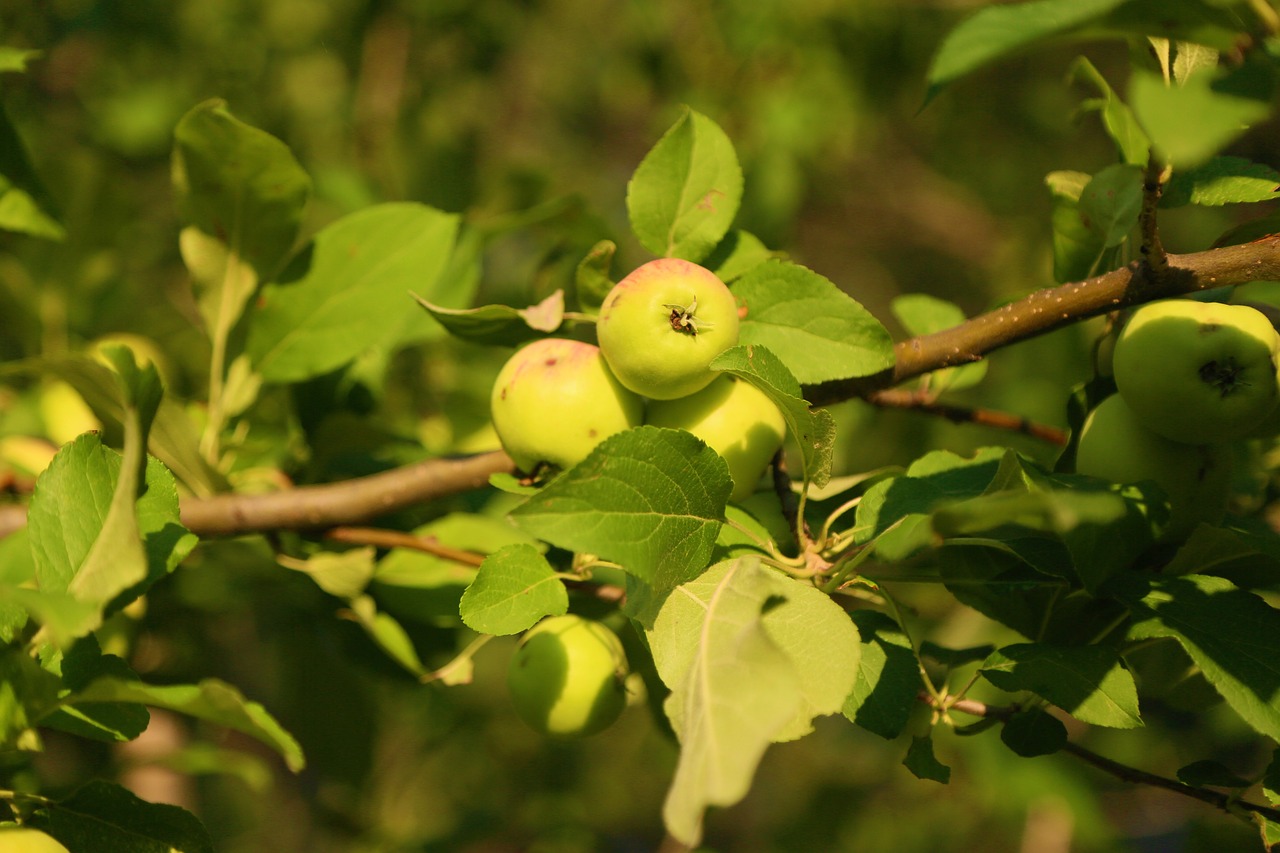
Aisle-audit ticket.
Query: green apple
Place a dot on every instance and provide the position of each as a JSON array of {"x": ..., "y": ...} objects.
[
  {"x": 566, "y": 677},
  {"x": 736, "y": 419},
  {"x": 555, "y": 400},
  {"x": 1116, "y": 446},
  {"x": 1198, "y": 372},
  {"x": 22, "y": 839},
  {"x": 660, "y": 327}
]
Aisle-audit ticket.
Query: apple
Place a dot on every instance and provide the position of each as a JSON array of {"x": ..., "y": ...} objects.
[
  {"x": 22, "y": 839},
  {"x": 1115, "y": 445},
  {"x": 660, "y": 327},
  {"x": 555, "y": 400},
  {"x": 736, "y": 419},
  {"x": 1198, "y": 372},
  {"x": 566, "y": 677}
]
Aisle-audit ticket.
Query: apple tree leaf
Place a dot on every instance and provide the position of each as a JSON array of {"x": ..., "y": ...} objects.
[
  {"x": 210, "y": 700},
  {"x": 25, "y": 204},
  {"x": 347, "y": 291},
  {"x": 813, "y": 429},
  {"x": 686, "y": 191},
  {"x": 818, "y": 330},
  {"x": 1089, "y": 682},
  {"x": 1232, "y": 635},
  {"x": 1222, "y": 180},
  {"x": 648, "y": 498},
  {"x": 922, "y": 762},
  {"x": 500, "y": 325},
  {"x": 1110, "y": 203},
  {"x": 108, "y": 818},
  {"x": 514, "y": 588},
  {"x": 888, "y": 680}
]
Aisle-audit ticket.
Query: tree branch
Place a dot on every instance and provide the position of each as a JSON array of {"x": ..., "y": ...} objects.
[
  {"x": 1056, "y": 307},
  {"x": 892, "y": 398},
  {"x": 1123, "y": 772}
]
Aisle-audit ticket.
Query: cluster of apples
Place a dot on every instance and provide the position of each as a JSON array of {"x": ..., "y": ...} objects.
[
  {"x": 1191, "y": 378},
  {"x": 658, "y": 330}
]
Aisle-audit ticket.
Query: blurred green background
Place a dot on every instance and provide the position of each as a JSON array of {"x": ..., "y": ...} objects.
[{"x": 534, "y": 114}]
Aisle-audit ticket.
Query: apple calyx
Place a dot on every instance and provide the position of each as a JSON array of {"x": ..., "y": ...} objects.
[
  {"x": 683, "y": 318},
  {"x": 1224, "y": 376}
]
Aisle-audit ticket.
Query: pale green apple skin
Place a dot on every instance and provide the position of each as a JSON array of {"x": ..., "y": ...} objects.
[
  {"x": 1198, "y": 372},
  {"x": 21, "y": 839},
  {"x": 555, "y": 400},
  {"x": 647, "y": 351},
  {"x": 736, "y": 420},
  {"x": 567, "y": 677},
  {"x": 1114, "y": 445}
]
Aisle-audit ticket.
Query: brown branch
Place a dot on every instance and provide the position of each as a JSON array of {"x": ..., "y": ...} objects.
[
  {"x": 350, "y": 502},
  {"x": 1056, "y": 307},
  {"x": 382, "y": 538},
  {"x": 1123, "y": 772},
  {"x": 892, "y": 398}
]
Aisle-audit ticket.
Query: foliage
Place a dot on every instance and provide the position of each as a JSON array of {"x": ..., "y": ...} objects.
[{"x": 298, "y": 492}]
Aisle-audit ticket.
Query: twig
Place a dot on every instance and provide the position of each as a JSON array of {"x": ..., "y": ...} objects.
[
  {"x": 1152, "y": 188},
  {"x": 901, "y": 399},
  {"x": 382, "y": 538},
  {"x": 1123, "y": 772}
]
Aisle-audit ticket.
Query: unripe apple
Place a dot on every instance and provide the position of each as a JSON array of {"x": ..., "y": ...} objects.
[
  {"x": 566, "y": 678},
  {"x": 736, "y": 419},
  {"x": 660, "y": 327},
  {"x": 22, "y": 839},
  {"x": 1114, "y": 445},
  {"x": 555, "y": 400},
  {"x": 1198, "y": 372}
]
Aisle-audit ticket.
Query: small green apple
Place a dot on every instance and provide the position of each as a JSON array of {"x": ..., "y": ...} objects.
[
  {"x": 566, "y": 677},
  {"x": 1116, "y": 446},
  {"x": 736, "y": 419},
  {"x": 661, "y": 326},
  {"x": 1198, "y": 372},
  {"x": 22, "y": 839},
  {"x": 555, "y": 400}
]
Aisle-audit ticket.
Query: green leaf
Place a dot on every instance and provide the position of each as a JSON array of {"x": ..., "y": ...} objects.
[
  {"x": 1268, "y": 830},
  {"x": 106, "y": 818},
  {"x": 650, "y": 499},
  {"x": 91, "y": 536},
  {"x": 1222, "y": 180},
  {"x": 1117, "y": 118},
  {"x": 421, "y": 587},
  {"x": 514, "y": 588},
  {"x": 685, "y": 192},
  {"x": 500, "y": 325},
  {"x": 738, "y": 253},
  {"x": 1200, "y": 774},
  {"x": 1032, "y": 733},
  {"x": 348, "y": 290},
  {"x": 711, "y": 647},
  {"x": 1089, "y": 682},
  {"x": 818, "y": 331},
  {"x": 922, "y": 314},
  {"x": 1232, "y": 635},
  {"x": 25, "y": 205},
  {"x": 27, "y": 693},
  {"x": 591, "y": 280},
  {"x": 386, "y": 632},
  {"x": 1077, "y": 250},
  {"x": 923, "y": 764},
  {"x": 240, "y": 186},
  {"x": 1110, "y": 203},
  {"x": 997, "y": 32},
  {"x": 344, "y": 574},
  {"x": 814, "y": 429},
  {"x": 111, "y": 722},
  {"x": 1189, "y": 124},
  {"x": 210, "y": 700},
  {"x": 884, "y": 693}
]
